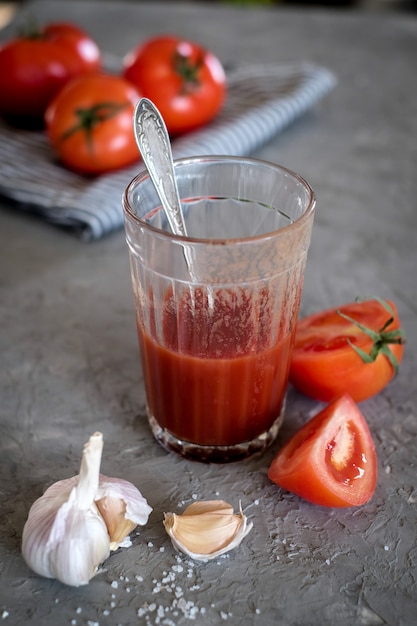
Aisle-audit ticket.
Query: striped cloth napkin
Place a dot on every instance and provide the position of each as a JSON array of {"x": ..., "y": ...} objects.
[{"x": 262, "y": 100}]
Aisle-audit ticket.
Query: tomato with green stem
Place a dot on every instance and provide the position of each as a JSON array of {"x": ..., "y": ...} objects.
[
  {"x": 354, "y": 349},
  {"x": 37, "y": 63},
  {"x": 89, "y": 123},
  {"x": 186, "y": 82},
  {"x": 331, "y": 461}
]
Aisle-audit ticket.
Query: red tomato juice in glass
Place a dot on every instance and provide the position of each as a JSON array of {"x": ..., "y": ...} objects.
[{"x": 214, "y": 376}]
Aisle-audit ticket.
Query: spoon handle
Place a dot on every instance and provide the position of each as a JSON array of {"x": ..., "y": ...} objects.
[{"x": 153, "y": 141}]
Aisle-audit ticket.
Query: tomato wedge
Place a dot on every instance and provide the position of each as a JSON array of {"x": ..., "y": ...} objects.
[
  {"x": 355, "y": 349},
  {"x": 331, "y": 461}
]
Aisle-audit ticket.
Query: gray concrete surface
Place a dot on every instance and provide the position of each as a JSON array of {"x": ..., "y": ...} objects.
[{"x": 70, "y": 362}]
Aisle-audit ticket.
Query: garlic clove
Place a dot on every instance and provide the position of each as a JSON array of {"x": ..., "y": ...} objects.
[
  {"x": 209, "y": 506},
  {"x": 113, "y": 511},
  {"x": 207, "y": 529},
  {"x": 64, "y": 536},
  {"x": 122, "y": 507}
]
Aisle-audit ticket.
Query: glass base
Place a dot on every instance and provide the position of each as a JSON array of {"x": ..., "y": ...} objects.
[{"x": 215, "y": 454}]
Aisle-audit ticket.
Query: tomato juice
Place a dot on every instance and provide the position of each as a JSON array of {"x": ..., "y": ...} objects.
[{"x": 217, "y": 372}]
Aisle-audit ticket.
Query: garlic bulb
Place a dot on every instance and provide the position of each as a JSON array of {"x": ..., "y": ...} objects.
[
  {"x": 207, "y": 529},
  {"x": 71, "y": 529},
  {"x": 122, "y": 507},
  {"x": 65, "y": 537}
]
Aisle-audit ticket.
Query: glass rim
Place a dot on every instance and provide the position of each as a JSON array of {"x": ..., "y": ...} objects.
[{"x": 183, "y": 161}]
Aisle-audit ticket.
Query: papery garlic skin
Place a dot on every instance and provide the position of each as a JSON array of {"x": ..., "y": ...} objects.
[
  {"x": 65, "y": 537},
  {"x": 123, "y": 508},
  {"x": 207, "y": 529}
]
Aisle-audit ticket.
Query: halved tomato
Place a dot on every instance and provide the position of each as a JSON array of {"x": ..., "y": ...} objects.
[
  {"x": 354, "y": 349},
  {"x": 331, "y": 460}
]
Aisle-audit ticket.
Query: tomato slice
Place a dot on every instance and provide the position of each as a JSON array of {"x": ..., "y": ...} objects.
[
  {"x": 326, "y": 361},
  {"x": 331, "y": 461}
]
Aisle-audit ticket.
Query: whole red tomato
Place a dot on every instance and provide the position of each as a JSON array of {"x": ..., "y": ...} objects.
[
  {"x": 186, "y": 82},
  {"x": 34, "y": 67},
  {"x": 331, "y": 460},
  {"x": 355, "y": 349},
  {"x": 89, "y": 123}
]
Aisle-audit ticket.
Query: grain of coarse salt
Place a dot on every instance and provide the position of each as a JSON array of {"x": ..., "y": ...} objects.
[
  {"x": 224, "y": 615},
  {"x": 177, "y": 568},
  {"x": 188, "y": 608}
]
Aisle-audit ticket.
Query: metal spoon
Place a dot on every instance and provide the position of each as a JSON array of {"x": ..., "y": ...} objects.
[{"x": 154, "y": 145}]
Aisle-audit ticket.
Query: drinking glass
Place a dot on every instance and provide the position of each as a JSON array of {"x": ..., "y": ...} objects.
[{"x": 216, "y": 310}]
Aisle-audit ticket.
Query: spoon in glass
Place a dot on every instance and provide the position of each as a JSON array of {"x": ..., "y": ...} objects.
[{"x": 152, "y": 138}]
